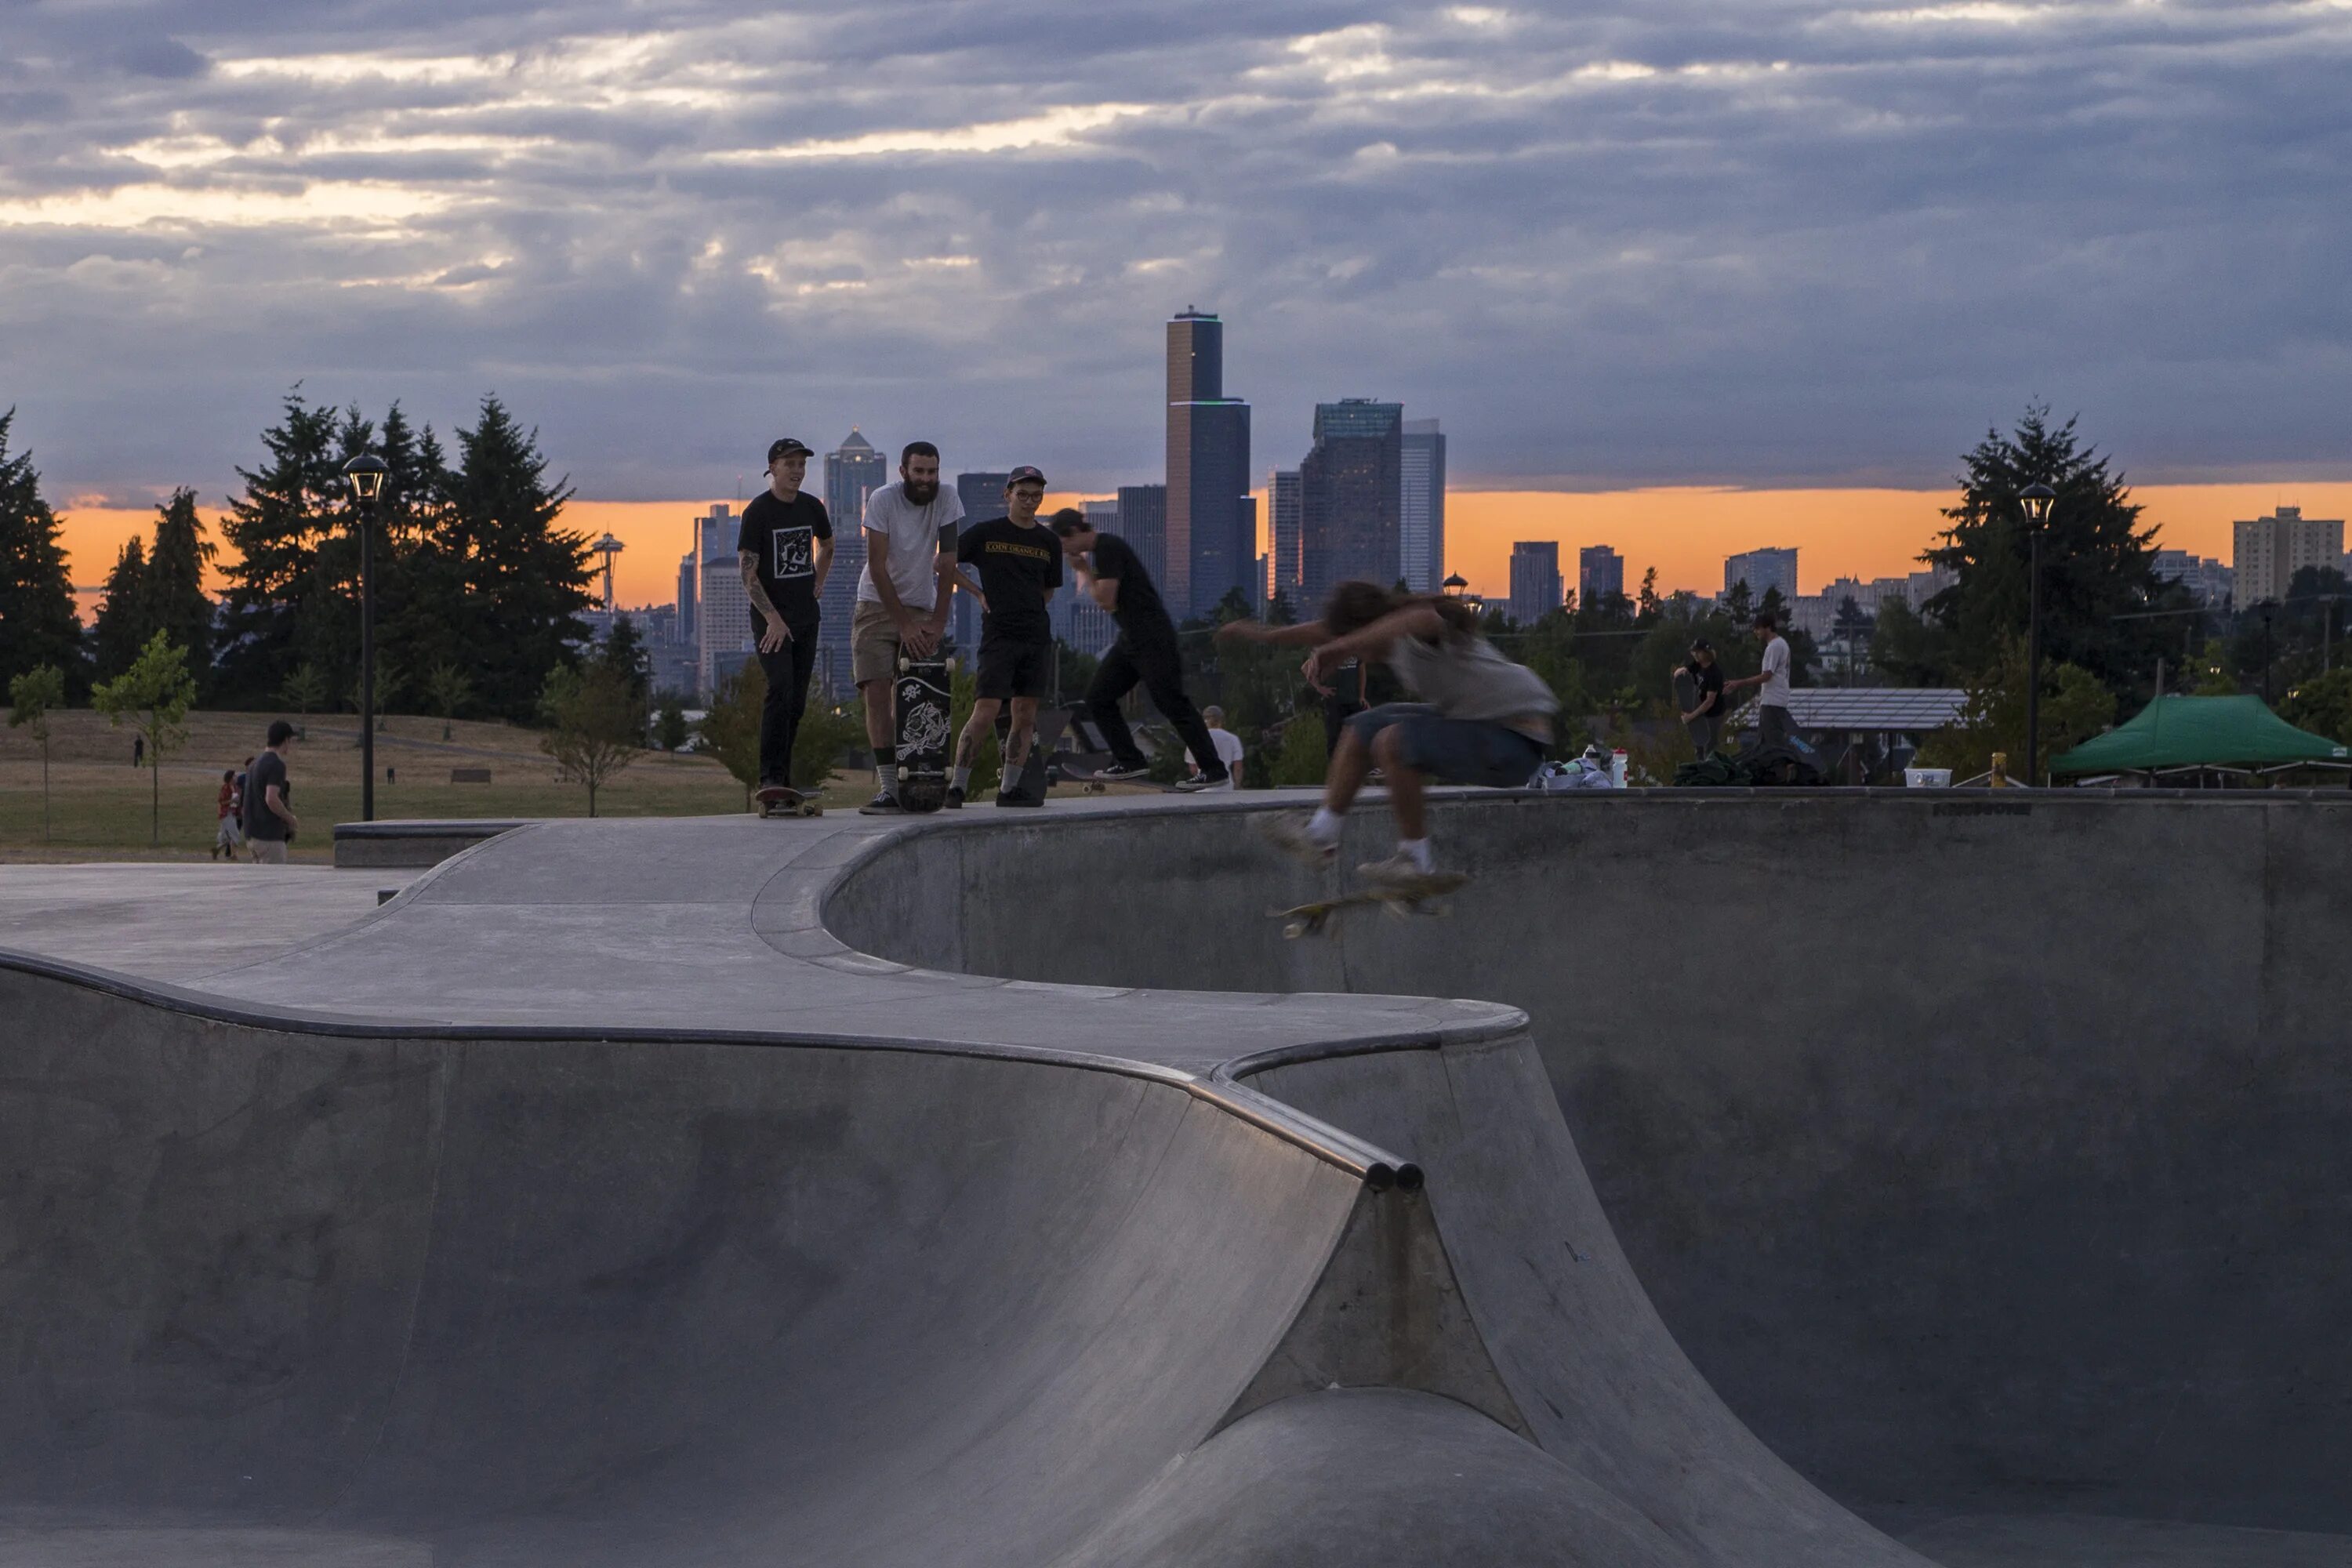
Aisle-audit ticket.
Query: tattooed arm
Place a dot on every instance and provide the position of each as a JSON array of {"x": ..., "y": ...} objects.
[{"x": 773, "y": 635}]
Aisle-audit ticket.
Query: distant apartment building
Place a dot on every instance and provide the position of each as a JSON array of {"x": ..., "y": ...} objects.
[
  {"x": 1282, "y": 523},
  {"x": 2267, "y": 552},
  {"x": 722, "y": 619},
  {"x": 1762, "y": 570},
  {"x": 1350, "y": 487},
  {"x": 1421, "y": 507},
  {"x": 2210, "y": 580},
  {"x": 1212, "y": 525},
  {"x": 1536, "y": 585},
  {"x": 981, "y": 493},
  {"x": 1816, "y": 614},
  {"x": 1599, "y": 576}
]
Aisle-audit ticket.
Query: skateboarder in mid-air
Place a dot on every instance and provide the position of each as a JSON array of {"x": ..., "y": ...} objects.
[
  {"x": 1020, "y": 565},
  {"x": 1481, "y": 719},
  {"x": 1111, "y": 573}
]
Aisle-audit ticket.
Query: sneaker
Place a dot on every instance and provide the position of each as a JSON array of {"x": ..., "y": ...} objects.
[
  {"x": 1399, "y": 870},
  {"x": 1118, "y": 772},
  {"x": 1194, "y": 786},
  {"x": 883, "y": 804},
  {"x": 954, "y": 801},
  {"x": 1289, "y": 835},
  {"x": 1018, "y": 797}
]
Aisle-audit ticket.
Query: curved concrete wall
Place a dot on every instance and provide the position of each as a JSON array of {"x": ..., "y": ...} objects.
[{"x": 1984, "y": 1153}]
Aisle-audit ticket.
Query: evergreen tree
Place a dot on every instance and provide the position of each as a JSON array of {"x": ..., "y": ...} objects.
[
  {"x": 178, "y": 604},
  {"x": 522, "y": 578},
  {"x": 292, "y": 503},
  {"x": 2097, "y": 561},
  {"x": 38, "y": 622},
  {"x": 623, "y": 653},
  {"x": 123, "y": 625}
]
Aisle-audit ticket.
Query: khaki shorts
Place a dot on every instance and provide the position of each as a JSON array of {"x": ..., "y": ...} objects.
[
  {"x": 873, "y": 644},
  {"x": 267, "y": 852}
]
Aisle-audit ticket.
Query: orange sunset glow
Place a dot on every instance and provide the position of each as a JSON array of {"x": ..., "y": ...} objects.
[{"x": 1684, "y": 533}]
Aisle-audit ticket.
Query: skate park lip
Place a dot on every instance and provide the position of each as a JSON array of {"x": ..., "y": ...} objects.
[{"x": 811, "y": 938}]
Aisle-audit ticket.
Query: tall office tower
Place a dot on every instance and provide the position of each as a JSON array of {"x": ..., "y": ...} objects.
[
  {"x": 982, "y": 495},
  {"x": 1211, "y": 543},
  {"x": 1420, "y": 518},
  {"x": 722, "y": 610},
  {"x": 1143, "y": 523},
  {"x": 1536, "y": 586},
  {"x": 1102, "y": 516},
  {"x": 852, "y": 472},
  {"x": 1600, "y": 574},
  {"x": 1762, "y": 570},
  {"x": 1351, "y": 497},
  {"x": 689, "y": 594},
  {"x": 2267, "y": 552},
  {"x": 1281, "y": 538}
]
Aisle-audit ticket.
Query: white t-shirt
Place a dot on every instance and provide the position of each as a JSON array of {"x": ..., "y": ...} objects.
[
  {"x": 916, "y": 535},
  {"x": 1776, "y": 675},
  {"x": 1229, "y": 751}
]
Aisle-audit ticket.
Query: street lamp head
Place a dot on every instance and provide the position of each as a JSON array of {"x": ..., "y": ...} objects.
[
  {"x": 366, "y": 473},
  {"x": 2037, "y": 501},
  {"x": 1455, "y": 585}
]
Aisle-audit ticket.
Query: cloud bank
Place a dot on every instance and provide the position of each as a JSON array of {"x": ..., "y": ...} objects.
[{"x": 1692, "y": 241}]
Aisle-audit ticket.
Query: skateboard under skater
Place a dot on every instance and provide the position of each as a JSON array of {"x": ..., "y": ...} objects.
[
  {"x": 1414, "y": 898},
  {"x": 775, "y": 800},
  {"x": 923, "y": 701}
]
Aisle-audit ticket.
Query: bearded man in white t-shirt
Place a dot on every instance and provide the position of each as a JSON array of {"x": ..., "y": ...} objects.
[
  {"x": 910, "y": 533},
  {"x": 1772, "y": 701}
]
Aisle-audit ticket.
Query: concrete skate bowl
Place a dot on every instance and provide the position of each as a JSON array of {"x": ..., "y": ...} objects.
[
  {"x": 1991, "y": 1157},
  {"x": 593, "y": 1204}
]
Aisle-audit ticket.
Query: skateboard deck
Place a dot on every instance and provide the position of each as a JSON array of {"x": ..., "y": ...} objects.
[
  {"x": 923, "y": 700},
  {"x": 1414, "y": 897},
  {"x": 775, "y": 800}
]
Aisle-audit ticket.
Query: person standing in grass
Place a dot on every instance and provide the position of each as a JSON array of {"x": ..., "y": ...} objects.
[
  {"x": 228, "y": 833},
  {"x": 269, "y": 820}
]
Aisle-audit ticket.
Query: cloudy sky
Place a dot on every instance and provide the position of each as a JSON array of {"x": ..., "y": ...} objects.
[{"x": 1750, "y": 242}]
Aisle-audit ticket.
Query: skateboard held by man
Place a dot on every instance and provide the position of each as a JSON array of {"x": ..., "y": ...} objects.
[
  {"x": 1403, "y": 896},
  {"x": 924, "y": 701},
  {"x": 777, "y": 800}
]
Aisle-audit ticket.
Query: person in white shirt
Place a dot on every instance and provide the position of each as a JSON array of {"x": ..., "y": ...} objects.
[
  {"x": 910, "y": 529},
  {"x": 1773, "y": 703},
  {"x": 1230, "y": 750}
]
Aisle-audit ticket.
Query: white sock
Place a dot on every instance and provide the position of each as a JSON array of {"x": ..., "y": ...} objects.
[
  {"x": 887, "y": 776},
  {"x": 1323, "y": 825},
  {"x": 962, "y": 779},
  {"x": 1417, "y": 851}
]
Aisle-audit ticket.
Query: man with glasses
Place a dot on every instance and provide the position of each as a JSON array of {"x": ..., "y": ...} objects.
[{"x": 1020, "y": 564}]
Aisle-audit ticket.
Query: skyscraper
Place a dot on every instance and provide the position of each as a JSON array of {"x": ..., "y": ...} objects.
[
  {"x": 852, "y": 472},
  {"x": 1282, "y": 537},
  {"x": 2267, "y": 552},
  {"x": 1351, "y": 497},
  {"x": 1420, "y": 519},
  {"x": 1211, "y": 543},
  {"x": 1143, "y": 523},
  {"x": 1762, "y": 570},
  {"x": 1536, "y": 586},
  {"x": 722, "y": 613},
  {"x": 1600, "y": 574},
  {"x": 982, "y": 495}
]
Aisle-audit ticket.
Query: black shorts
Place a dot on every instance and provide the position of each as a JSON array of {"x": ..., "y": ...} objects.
[{"x": 1014, "y": 665}]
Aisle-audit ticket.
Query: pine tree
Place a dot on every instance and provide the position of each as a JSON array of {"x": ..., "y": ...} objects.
[
  {"x": 38, "y": 622},
  {"x": 178, "y": 604},
  {"x": 2097, "y": 561},
  {"x": 123, "y": 625},
  {"x": 289, "y": 505},
  {"x": 522, "y": 579}
]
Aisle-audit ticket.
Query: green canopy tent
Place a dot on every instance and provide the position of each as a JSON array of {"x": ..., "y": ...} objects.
[{"x": 2199, "y": 733}]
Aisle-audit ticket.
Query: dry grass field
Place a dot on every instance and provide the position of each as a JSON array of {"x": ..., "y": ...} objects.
[{"x": 100, "y": 807}]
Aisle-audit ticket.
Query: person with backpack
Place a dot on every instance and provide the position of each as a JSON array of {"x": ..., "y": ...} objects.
[{"x": 1481, "y": 718}]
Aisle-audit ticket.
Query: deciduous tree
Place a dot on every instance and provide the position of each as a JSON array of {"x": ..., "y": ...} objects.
[
  {"x": 155, "y": 694},
  {"x": 595, "y": 725},
  {"x": 33, "y": 695}
]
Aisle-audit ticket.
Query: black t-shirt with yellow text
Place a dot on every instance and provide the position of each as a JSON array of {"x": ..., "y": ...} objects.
[{"x": 1019, "y": 569}]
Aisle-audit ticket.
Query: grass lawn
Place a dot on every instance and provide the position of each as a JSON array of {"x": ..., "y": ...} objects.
[{"x": 100, "y": 805}]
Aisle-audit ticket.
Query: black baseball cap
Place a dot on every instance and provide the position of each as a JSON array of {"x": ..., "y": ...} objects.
[
  {"x": 1023, "y": 474},
  {"x": 785, "y": 447}
]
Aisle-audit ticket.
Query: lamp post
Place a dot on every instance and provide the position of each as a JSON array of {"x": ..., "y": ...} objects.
[
  {"x": 2035, "y": 500},
  {"x": 365, "y": 473}
]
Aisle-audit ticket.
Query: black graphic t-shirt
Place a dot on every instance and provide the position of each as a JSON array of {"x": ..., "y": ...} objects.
[
  {"x": 1019, "y": 569},
  {"x": 1707, "y": 680},
  {"x": 1138, "y": 609},
  {"x": 784, "y": 534}
]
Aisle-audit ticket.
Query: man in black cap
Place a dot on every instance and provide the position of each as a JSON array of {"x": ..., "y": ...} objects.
[
  {"x": 1020, "y": 565},
  {"x": 1111, "y": 573},
  {"x": 785, "y": 548}
]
